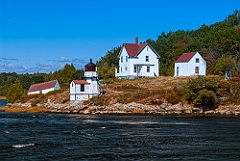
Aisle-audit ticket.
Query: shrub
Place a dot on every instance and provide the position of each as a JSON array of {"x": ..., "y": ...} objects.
[
  {"x": 229, "y": 90},
  {"x": 194, "y": 86},
  {"x": 206, "y": 100}
]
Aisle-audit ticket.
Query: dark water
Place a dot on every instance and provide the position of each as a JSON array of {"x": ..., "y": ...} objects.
[
  {"x": 25, "y": 136},
  {"x": 3, "y": 103}
]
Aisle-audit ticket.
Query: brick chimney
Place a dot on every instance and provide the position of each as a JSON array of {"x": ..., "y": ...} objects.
[{"x": 136, "y": 39}]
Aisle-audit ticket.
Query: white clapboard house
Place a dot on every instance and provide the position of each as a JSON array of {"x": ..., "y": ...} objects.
[
  {"x": 137, "y": 60},
  {"x": 190, "y": 64},
  {"x": 85, "y": 89},
  {"x": 43, "y": 88}
]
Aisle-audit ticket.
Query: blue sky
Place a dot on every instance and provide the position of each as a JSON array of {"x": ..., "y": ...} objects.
[{"x": 44, "y": 35}]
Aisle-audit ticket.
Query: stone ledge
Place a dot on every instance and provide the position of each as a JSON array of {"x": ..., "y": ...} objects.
[{"x": 130, "y": 108}]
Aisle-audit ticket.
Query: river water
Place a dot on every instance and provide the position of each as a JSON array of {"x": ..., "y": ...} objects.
[
  {"x": 36, "y": 136},
  {"x": 3, "y": 103}
]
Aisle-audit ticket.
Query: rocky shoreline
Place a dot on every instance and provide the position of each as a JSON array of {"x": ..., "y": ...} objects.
[{"x": 131, "y": 108}]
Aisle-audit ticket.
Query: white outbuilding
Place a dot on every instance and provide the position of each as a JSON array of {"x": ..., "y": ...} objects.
[
  {"x": 44, "y": 88},
  {"x": 190, "y": 64}
]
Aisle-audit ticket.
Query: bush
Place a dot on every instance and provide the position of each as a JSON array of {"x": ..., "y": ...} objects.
[
  {"x": 229, "y": 90},
  {"x": 206, "y": 100},
  {"x": 194, "y": 86}
]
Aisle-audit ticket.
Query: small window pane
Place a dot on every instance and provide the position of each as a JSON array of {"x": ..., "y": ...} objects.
[
  {"x": 148, "y": 68},
  {"x": 147, "y": 58},
  {"x": 197, "y": 60},
  {"x": 135, "y": 69}
]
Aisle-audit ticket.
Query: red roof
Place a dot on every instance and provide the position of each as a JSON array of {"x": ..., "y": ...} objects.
[
  {"x": 80, "y": 82},
  {"x": 134, "y": 49},
  {"x": 42, "y": 86},
  {"x": 185, "y": 57}
]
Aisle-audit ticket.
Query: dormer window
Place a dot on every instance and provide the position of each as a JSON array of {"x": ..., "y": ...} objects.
[
  {"x": 197, "y": 60},
  {"x": 147, "y": 58}
]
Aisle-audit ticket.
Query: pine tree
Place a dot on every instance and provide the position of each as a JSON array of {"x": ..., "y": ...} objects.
[{"x": 15, "y": 92}]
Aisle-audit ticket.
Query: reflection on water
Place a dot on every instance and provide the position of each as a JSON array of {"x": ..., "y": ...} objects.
[{"x": 26, "y": 136}]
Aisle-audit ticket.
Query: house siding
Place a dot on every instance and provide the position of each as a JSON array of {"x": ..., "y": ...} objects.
[{"x": 123, "y": 65}]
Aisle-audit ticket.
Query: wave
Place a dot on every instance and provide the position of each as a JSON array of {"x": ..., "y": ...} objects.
[{"x": 23, "y": 145}]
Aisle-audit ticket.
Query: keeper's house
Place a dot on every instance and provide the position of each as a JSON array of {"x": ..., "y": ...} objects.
[
  {"x": 43, "y": 88},
  {"x": 137, "y": 60}
]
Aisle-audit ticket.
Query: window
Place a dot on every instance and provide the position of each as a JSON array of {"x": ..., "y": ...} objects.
[
  {"x": 126, "y": 58},
  {"x": 197, "y": 70},
  {"x": 147, "y": 58},
  {"x": 135, "y": 69},
  {"x": 148, "y": 68},
  {"x": 125, "y": 68},
  {"x": 82, "y": 88},
  {"x": 121, "y": 58},
  {"x": 197, "y": 60},
  {"x": 121, "y": 69}
]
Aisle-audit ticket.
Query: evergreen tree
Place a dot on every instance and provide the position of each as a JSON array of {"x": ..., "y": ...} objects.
[{"x": 15, "y": 92}]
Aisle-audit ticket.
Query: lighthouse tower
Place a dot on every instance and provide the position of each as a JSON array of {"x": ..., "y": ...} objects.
[
  {"x": 81, "y": 90},
  {"x": 91, "y": 76}
]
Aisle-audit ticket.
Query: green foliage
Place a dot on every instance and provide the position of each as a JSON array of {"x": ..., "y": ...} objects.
[
  {"x": 15, "y": 92},
  {"x": 201, "y": 92},
  {"x": 223, "y": 64},
  {"x": 65, "y": 75},
  {"x": 206, "y": 100},
  {"x": 106, "y": 65},
  {"x": 229, "y": 90}
]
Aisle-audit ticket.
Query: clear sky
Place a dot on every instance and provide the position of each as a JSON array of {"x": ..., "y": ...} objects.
[{"x": 44, "y": 35}]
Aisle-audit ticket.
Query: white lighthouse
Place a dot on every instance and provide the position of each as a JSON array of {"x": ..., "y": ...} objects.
[{"x": 85, "y": 89}]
